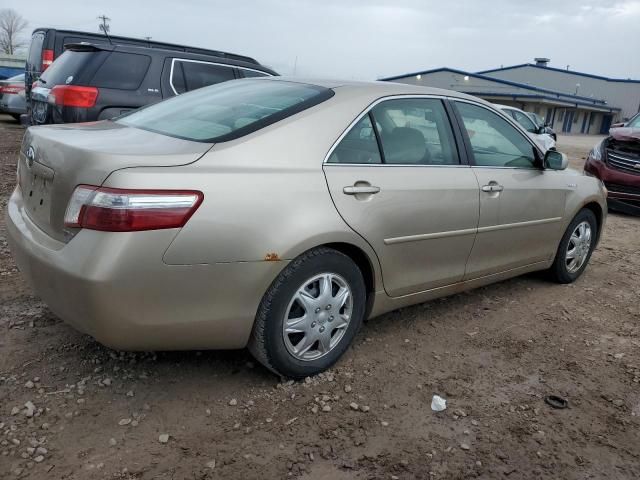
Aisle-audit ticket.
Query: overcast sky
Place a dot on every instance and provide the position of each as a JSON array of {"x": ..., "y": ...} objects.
[{"x": 370, "y": 39}]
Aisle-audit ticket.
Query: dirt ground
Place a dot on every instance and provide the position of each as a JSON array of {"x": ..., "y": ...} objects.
[{"x": 493, "y": 353}]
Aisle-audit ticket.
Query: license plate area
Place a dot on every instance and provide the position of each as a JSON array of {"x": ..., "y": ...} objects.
[{"x": 37, "y": 183}]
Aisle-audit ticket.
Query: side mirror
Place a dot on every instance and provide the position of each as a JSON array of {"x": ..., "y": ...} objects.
[
  {"x": 555, "y": 160},
  {"x": 618, "y": 125}
]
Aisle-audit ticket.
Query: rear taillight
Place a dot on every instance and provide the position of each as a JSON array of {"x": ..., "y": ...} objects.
[
  {"x": 11, "y": 89},
  {"x": 47, "y": 59},
  {"x": 118, "y": 210},
  {"x": 73, "y": 96}
]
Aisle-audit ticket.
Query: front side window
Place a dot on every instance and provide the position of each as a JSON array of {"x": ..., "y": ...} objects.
[
  {"x": 634, "y": 122},
  {"x": 228, "y": 110},
  {"x": 415, "y": 131},
  {"x": 495, "y": 142},
  {"x": 359, "y": 145},
  {"x": 187, "y": 75}
]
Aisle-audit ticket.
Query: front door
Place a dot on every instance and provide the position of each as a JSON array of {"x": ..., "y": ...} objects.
[
  {"x": 521, "y": 205},
  {"x": 397, "y": 180}
]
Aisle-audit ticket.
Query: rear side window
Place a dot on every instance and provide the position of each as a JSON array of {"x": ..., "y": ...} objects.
[
  {"x": 252, "y": 73},
  {"x": 124, "y": 71},
  {"x": 35, "y": 51},
  {"x": 189, "y": 75},
  {"x": 227, "y": 111},
  {"x": 359, "y": 145},
  {"x": 66, "y": 67},
  {"x": 415, "y": 131}
]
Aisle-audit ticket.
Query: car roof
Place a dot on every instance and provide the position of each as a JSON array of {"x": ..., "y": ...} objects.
[
  {"x": 140, "y": 49},
  {"x": 378, "y": 88}
]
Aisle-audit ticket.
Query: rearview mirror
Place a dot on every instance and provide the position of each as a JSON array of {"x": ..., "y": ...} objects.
[{"x": 555, "y": 160}]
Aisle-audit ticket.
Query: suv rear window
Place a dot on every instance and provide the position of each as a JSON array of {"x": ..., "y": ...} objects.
[
  {"x": 227, "y": 111},
  {"x": 69, "y": 64},
  {"x": 124, "y": 71}
]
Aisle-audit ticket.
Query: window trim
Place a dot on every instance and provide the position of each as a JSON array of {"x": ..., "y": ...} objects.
[
  {"x": 461, "y": 149},
  {"x": 511, "y": 120},
  {"x": 226, "y": 65}
]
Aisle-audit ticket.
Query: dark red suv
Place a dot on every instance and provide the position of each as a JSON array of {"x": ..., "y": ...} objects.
[{"x": 616, "y": 161}]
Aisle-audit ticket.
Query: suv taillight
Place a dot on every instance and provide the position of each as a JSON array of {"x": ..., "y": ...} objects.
[
  {"x": 124, "y": 210},
  {"x": 73, "y": 96},
  {"x": 47, "y": 59}
]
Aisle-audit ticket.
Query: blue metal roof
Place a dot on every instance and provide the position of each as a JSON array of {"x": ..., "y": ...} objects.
[
  {"x": 553, "y": 69},
  {"x": 501, "y": 81}
]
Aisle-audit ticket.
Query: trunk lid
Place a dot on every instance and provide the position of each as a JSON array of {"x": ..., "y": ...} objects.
[{"x": 54, "y": 159}]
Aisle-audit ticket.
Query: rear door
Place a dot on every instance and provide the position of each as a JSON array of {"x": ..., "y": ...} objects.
[
  {"x": 397, "y": 179},
  {"x": 521, "y": 205}
]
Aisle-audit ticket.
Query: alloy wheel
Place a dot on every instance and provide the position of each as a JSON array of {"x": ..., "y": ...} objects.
[
  {"x": 578, "y": 247},
  {"x": 317, "y": 316}
]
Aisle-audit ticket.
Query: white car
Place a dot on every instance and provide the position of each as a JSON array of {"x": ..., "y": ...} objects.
[{"x": 544, "y": 140}]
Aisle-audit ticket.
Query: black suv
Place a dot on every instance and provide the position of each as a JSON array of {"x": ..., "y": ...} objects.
[
  {"x": 47, "y": 44},
  {"x": 96, "y": 81}
]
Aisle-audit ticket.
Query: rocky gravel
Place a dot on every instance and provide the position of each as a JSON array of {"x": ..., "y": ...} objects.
[{"x": 73, "y": 409}]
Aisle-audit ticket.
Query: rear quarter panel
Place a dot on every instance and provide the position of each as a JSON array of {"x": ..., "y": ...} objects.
[{"x": 265, "y": 195}]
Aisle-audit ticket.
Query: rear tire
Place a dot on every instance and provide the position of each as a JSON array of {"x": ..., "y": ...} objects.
[
  {"x": 310, "y": 314},
  {"x": 575, "y": 248}
]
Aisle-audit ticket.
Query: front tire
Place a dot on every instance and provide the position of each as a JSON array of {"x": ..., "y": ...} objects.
[
  {"x": 310, "y": 314},
  {"x": 575, "y": 248}
]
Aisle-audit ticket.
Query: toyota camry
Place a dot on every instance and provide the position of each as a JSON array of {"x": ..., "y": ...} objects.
[{"x": 279, "y": 214}]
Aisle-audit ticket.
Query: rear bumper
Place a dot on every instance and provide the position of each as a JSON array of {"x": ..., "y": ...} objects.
[
  {"x": 623, "y": 188},
  {"x": 116, "y": 288}
]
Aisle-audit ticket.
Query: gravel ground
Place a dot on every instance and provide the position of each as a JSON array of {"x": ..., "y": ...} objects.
[{"x": 72, "y": 409}]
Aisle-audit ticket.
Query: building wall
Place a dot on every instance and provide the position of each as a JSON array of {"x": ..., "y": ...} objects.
[
  {"x": 623, "y": 95},
  {"x": 483, "y": 88},
  {"x": 455, "y": 81}
]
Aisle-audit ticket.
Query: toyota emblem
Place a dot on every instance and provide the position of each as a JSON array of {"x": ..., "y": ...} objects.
[{"x": 31, "y": 156}]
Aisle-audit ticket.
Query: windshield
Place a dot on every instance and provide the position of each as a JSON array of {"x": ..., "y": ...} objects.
[
  {"x": 227, "y": 110},
  {"x": 634, "y": 122},
  {"x": 537, "y": 119}
]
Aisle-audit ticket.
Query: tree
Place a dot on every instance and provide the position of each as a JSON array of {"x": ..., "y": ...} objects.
[{"x": 11, "y": 26}]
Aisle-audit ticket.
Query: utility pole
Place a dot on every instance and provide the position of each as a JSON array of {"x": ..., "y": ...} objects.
[{"x": 104, "y": 26}]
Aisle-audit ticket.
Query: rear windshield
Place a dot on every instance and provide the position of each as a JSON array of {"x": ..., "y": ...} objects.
[
  {"x": 65, "y": 68},
  {"x": 227, "y": 110}
]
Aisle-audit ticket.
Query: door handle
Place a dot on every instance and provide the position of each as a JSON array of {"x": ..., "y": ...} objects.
[
  {"x": 492, "y": 187},
  {"x": 356, "y": 189}
]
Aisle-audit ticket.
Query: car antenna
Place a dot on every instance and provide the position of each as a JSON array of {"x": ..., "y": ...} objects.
[{"x": 104, "y": 26}]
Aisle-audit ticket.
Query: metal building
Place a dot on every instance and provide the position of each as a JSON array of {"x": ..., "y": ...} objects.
[{"x": 571, "y": 102}]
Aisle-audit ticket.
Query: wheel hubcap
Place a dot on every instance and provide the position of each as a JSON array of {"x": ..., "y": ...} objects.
[
  {"x": 317, "y": 316},
  {"x": 579, "y": 247}
]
